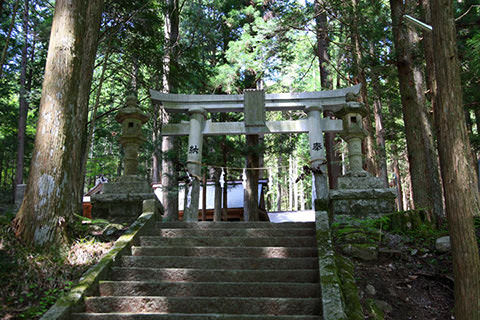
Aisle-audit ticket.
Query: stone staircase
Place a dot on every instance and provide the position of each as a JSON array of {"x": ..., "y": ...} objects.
[{"x": 214, "y": 270}]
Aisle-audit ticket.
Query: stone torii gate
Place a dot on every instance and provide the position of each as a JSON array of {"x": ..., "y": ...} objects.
[{"x": 254, "y": 103}]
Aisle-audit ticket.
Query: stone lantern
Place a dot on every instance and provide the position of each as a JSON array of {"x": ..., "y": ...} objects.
[
  {"x": 359, "y": 194},
  {"x": 122, "y": 200},
  {"x": 132, "y": 119},
  {"x": 353, "y": 133}
]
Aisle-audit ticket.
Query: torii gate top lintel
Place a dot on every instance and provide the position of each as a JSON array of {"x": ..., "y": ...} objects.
[{"x": 332, "y": 100}]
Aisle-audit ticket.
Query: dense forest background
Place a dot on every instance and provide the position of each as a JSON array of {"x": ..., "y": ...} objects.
[
  {"x": 223, "y": 47},
  {"x": 419, "y": 138}
]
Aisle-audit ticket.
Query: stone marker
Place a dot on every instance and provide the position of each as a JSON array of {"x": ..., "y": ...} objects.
[
  {"x": 19, "y": 194},
  {"x": 443, "y": 244}
]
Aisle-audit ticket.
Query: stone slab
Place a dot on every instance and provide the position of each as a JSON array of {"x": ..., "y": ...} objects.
[
  {"x": 232, "y": 252},
  {"x": 247, "y": 232},
  {"x": 357, "y": 194},
  {"x": 183, "y": 316},
  {"x": 348, "y": 182},
  {"x": 363, "y": 208},
  {"x": 127, "y": 184},
  {"x": 230, "y": 305},
  {"x": 209, "y": 289},
  {"x": 229, "y": 241},
  {"x": 214, "y": 275},
  {"x": 219, "y": 263}
]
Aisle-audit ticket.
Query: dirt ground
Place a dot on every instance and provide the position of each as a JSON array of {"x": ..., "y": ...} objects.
[{"x": 415, "y": 281}]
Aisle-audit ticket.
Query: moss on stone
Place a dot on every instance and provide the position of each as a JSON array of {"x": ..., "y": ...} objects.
[{"x": 349, "y": 288}]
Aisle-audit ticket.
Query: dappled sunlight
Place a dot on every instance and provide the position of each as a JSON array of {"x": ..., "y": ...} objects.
[
  {"x": 275, "y": 252},
  {"x": 87, "y": 252}
]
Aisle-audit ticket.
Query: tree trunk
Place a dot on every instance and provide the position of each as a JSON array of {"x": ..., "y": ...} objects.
[
  {"x": 398, "y": 178},
  {"x": 427, "y": 42},
  {"x": 204, "y": 197},
  {"x": 423, "y": 164},
  {"x": 169, "y": 154},
  {"x": 295, "y": 184},
  {"x": 379, "y": 129},
  {"x": 279, "y": 183},
  {"x": 52, "y": 194},
  {"x": 251, "y": 191},
  {"x": 333, "y": 159},
  {"x": 290, "y": 183},
  {"x": 217, "y": 207},
  {"x": 459, "y": 179},
  {"x": 23, "y": 109},
  {"x": 357, "y": 55}
]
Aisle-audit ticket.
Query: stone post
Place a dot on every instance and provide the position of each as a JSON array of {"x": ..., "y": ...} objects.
[
  {"x": 353, "y": 133},
  {"x": 318, "y": 161},
  {"x": 19, "y": 194},
  {"x": 198, "y": 116},
  {"x": 132, "y": 119}
]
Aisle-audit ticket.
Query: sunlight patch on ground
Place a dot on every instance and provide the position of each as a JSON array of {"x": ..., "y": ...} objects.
[{"x": 292, "y": 216}]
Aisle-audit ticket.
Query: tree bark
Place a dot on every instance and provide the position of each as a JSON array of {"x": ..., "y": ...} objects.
[
  {"x": 380, "y": 133},
  {"x": 279, "y": 183},
  {"x": 217, "y": 211},
  {"x": 333, "y": 159},
  {"x": 422, "y": 159},
  {"x": 459, "y": 179},
  {"x": 169, "y": 155},
  {"x": 23, "y": 108},
  {"x": 52, "y": 194},
  {"x": 251, "y": 190},
  {"x": 398, "y": 178},
  {"x": 357, "y": 55}
]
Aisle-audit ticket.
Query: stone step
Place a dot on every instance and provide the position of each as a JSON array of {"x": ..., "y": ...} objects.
[
  {"x": 229, "y": 241},
  {"x": 233, "y": 252},
  {"x": 209, "y": 289},
  {"x": 250, "y": 232},
  {"x": 219, "y": 263},
  {"x": 221, "y": 305},
  {"x": 232, "y": 225},
  {"x": 215, "y": 275},
  {"x": 184, "y": 316}
]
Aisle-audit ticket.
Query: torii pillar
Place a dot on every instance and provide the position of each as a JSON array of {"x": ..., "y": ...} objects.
[
  {"x": 198, "y": 116},
  {"x": 318, "y": 160}
]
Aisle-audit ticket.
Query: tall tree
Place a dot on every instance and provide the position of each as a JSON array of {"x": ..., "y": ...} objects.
[
  {"x": 333, "y": 159},
  {"x": 169, "y": 155},
  {"x": 459, "y": 179},
  {"x": 422, "y": 157},
  {"x": 23, "y": 110},
  {"x": 53, "y": 189},
  {"x": 360, "y": 77}
]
